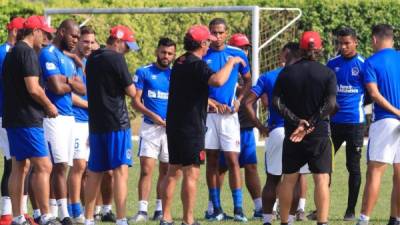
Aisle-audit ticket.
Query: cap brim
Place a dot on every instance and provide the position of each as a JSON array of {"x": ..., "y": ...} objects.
[
  {"x": 133, "y": 46},
  {"x": 212, "y": 37},
  {"x": 48, "y": 29}
]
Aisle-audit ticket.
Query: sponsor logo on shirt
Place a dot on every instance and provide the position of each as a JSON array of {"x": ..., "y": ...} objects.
[
  {"x": 355, "y": 71},
  {"x": 209, "y": 61},
  {"x": 153, "y": 76},
  {"x": 50, "y": 66},
  {"x": 346, "y": 89},
  {"x": 157, "y": 94}
]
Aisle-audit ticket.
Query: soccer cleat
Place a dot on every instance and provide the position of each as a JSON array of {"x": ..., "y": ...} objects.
[
  {"x": 79, "y": 219},
  {"x": 67, "y": 221},
  {"x": 23, "y": 223},
  {"x": 30, "y": 219},
  {"x": 140, "y": 216},
  {"x": 97, "y": 217},
  {"x": 5, "y": 220},
  {"x": 194, "y": 223},
  {"x": 362, "y": 222},
  {"x": 108, "y": 217},
  {"x": 267, "y": 223},
  {"x": 349, "y": 217},
  {"x": 162, "y": 222},
  {"x": 312, "y": 215},
  {"x": 257, "y": 215},
  {"x": 239, "y": 218},
  {"x": 157, "y": 215},
  {"x": 207, "y": 215},
  {"x": 300, "y": 215},
  {"x": 52, "y": 221},
  {"x": 220, "y": 217}
]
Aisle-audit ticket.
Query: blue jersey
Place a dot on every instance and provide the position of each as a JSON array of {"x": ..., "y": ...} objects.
[
  {"x": 383, "y": 68},
  {"x": 216, "y": 60},
  {"x": 265, "y": 84},
  {"x": 154, "y": 84},
  {"x": 4, "y": 48},
  {"x": 53, "y": 62},
  {"x": 350, "y": 89},
  {"x": 81, "y": 114}
]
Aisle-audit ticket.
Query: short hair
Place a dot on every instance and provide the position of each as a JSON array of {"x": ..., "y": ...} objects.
[
  {"x": 22, "y": 33},
  {"x": 190, "y": 44},
  {"x": 111, "y": 40},
  {"x": 346, "y": 31},
  {"x": 87, "y": 30},
  {"x": 384, "y": 31},
  {"x": 167, "y": 42},
  {"x": 218, "y": 21},
  {"x": 293, "y": 50}
]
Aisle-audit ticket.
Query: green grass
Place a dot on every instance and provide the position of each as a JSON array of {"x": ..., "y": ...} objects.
[{"x": 338, "y": 195}]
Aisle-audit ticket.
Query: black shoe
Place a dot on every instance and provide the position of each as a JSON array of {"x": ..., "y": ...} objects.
[
  {"x": 37, "y": 220},
  {"x": 67, "y": 221},
  {"x": 108, "y": 217},
  {"x": 194, "y": 223},
  {"x": 157, "y": 215},
  {"x": 392, "y": 221},
  {"x": 23, "y": 223},
  {"x": 162, "y": 222},
  {"x": 267, "y": 224}
]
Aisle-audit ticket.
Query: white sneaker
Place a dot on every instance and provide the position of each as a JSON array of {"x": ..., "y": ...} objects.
[
  {"x": 79, "y": 220},
  {"x": 139, "y": 217}
]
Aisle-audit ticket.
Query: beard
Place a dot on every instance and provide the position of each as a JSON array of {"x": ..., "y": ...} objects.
[{"x": 163, "y": 63}]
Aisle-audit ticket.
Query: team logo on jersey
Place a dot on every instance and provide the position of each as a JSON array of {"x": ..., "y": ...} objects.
[
  {"x": 337, "y": 69},
  {"x": 153, "y": 77},
  {"x": 50, "y": 66},
  {"x": 135, "y": 78},
  {"x": 355, "y": 71},
  {"x": 209, "y": 61}
]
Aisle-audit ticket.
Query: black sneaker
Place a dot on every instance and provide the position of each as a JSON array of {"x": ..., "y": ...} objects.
[
  {"x": 67, "y": 221},
  {"x": 267, "y": 223},
  {"x": 194, "y": 223},
  {"x": 109, "y": 217},
  {"x": 162, "y": 222},
  {"x": 157, "y": 215},
  {"x": 348, "y": 216}
]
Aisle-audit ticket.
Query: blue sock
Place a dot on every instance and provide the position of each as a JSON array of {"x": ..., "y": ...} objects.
[
  {"x": 237, "y": 198},
  {"x": 69, "y": 208},
  {"x": 76, "y": 209},
  {"x": 213, "y": 195}
]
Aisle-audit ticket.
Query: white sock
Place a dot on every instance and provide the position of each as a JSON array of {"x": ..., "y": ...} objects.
[
  {"x": 275, "y": 207},
  {"x": 267, "y": 218},
  {"x": 158, "y": 205},
  {"x": 19, "y": 219},
  {"x": 63, "y": 208},
  {"x": 364, "y": 217},
  {"x": 89, "y": 222},
  {"x": 257, "y": 204},
  {"x": 36, "y": 213},
  {"x": 302, "y": 204},
  {"x": 106, "y": 209},
  {"x": 97, "y": 210},
  {"x": 53, "y": 207},
  {"x": 24, "y": 205},
  {"x": 210, "y": 209},
  {"x": 122, "y": 221},
  {"x": 6, "y": 205},
  {"x": 143, "y": 205},
  {"x": 291, "y": 219},
  {"x": 45, "y": 217}
]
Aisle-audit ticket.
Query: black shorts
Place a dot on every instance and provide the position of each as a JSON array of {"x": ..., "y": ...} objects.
[
  {"x": 316, "y": 151},
  {"x": 352, "y": 134},
  {"x": 184, "y": 151}
]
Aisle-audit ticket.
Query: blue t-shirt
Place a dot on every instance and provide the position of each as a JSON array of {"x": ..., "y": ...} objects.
[
  {"x": 350, "y": 89},
  {"x": 383, "y": 68},
  {"x": 216, "y": 60},
  {"x": 265, "y": 84},
  {"x": 4, "y": 48},
  {"x": 81, "y": 114},
  {"x": 53, "y": 62},
  {"x": 154, "y": 84}
]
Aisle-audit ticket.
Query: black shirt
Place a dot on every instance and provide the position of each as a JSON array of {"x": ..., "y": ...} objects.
[
  {"x": 107, "y": 76},
  {"x": 304, "y": 88},
  {"x": 20, "y": 109},
  {"x": 188, "y": 97},
  {"x": 244, "y": 120}
]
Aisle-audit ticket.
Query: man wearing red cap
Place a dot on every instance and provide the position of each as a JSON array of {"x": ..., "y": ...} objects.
[
  {"x": 6, "y": 217},
  {"x": 25, "y": 105},
  {"x": 305, "y": 95},
  {"x": 186, "y": 117},
  {"x": 108, "y": 82}
]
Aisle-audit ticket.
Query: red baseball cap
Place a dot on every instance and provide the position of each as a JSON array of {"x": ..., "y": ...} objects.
[
  {"x": 239, "y": 40},
  {"x": 200, "y": 33},
  {"x": 125, "y": 34},
  {"x": 309, "y": 37},
  {"x": 16, "y": 23},
  {"x": 38, "y": 22}
]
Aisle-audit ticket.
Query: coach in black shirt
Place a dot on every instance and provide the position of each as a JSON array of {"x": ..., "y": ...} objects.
[
  {"x": 186, "y": 117},
  {"x": 305, "y": 94}
]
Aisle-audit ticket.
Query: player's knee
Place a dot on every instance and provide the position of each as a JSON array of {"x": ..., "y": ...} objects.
[{"x": 43, "y": 166}]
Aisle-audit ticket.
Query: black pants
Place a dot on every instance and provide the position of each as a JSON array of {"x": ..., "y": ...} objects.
[{"x": 353, "y": 135}]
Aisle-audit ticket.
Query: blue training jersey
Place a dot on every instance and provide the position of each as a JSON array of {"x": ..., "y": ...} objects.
[
  {"x": 350, "y": 89},
  {"x": 265, "y": 84},
  {"x": 383, "y": 68},
  {"x": 81, "y": 114},
  {"x": 216, "y": 60},
  {"x": 154, "y": 83},
  {"x": 4, "y": 48},
  {"x": 53, "y": 62}
]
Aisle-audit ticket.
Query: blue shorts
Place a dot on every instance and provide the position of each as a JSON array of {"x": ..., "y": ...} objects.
[
  {"x": 26, "y": 143},
  {"x": 110, "y": 150},
  {"x": 248, "y": 154}
]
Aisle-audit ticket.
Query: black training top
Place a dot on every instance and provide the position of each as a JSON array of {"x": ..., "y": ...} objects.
[
  {"x": 20, "y": 109},
  {"x": 306, "y": 90},
  {"x": 188, "y": 97},
  {"x": 107, "y": 76}
]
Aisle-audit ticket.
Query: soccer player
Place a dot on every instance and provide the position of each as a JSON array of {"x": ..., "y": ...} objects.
[
  {"x": 81, "y": 127},
  {"x": 223, "y": 129},
  {"x": 381, "y": 78},
  {"x": 25, "y": 105},
  {"x": 305, "y": 95},
  {"x": 108, "y": 81},
  {"x": 347, "y": 125},
  {"x": 152, "y": 84},
  {"x": 274, "y": 132},
  {"x": 186, "y": 118},
  {"x": 6, "y": 215},
  {"x": 59, "y": 74}
]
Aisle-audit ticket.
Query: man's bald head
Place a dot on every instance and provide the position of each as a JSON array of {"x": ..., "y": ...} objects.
[{"x": 68, "y": 34}]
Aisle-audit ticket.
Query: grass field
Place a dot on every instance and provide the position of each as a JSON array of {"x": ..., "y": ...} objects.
[{"x": 338, "y": 195}]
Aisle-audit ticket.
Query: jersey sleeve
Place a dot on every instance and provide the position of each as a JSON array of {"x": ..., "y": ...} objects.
[
  {"x": 259, "y": 88},
  {"x": 204, "y": 72},
  {"x": 368, "y": 73},
  {"x": 121, "y": 68},
  {"x": 138, "y": 78},
  {"x": 244, "y": 69},
  {"x": 49, "y": 63},
  {"x": 30, "y": 64}
]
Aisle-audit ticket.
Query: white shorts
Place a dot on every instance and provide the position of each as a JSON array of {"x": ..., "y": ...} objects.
[
  {"x": 223, "y": 132},
  {"x": 153, "y": 142},
  {"x": 81, "y": 140},
  {"x": 5, "y": 147},
  {"x": 384, "y": 141},
  {"x": 273, "y": 153},
  {"x": 59, "y": 137}
]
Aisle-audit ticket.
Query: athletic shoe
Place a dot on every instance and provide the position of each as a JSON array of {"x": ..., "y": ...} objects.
[
  {"x": 23, "y": 223},
  {"x": 300, "y": 215},
  {"x": 52, "y": 221},
  {"x": 5, "y": 220},
  {"x": 30, "y": 219},
  {"x": 267, "y": 224},
  {"x": 162, "y": 222},
  {"x": 67, "y": 221},
  {"x": 140, "y": 216},
  {"x": 108, "y": 217},
  {"x": 157, "y": 215},
  {"x": 220, "y": 217},
  {"x": 194, "y": 223},
  {"x": 257, "y": 215},
  {"x": 37, "y": 220},
  {"x": 275, "y": 215},
  {"x": 349, "y": 217},
  {"x": 207, "y": 215},
  {"x": 312, "y": 215},
  {"x": 362, "y": 222},
  {"x": 392, "y": 221},
  {"x": 79, "y": 219},
  {"x": 239, "y": 218},
  {"x": 97, "y": 216}
]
